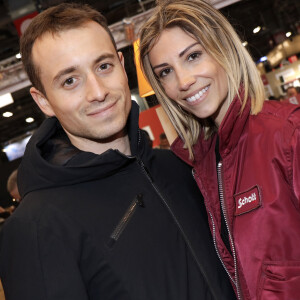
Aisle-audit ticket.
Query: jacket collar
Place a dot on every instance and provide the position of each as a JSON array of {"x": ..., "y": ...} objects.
[
  {"x": 233, "y": 125},
  {"x": 57, "y": 149},
  {"x": 50, "y": 160},
  {"x": 229, "y": 133}
]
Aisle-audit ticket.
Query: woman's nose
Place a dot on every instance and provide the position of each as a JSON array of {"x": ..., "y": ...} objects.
[{"x": 185, "y": 80}]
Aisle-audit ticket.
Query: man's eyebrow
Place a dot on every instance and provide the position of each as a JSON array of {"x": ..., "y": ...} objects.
[
  {"x": 105, "y": 56},
  {"x": 74, "y": 68},
  {"x": 180, "y": 55},
  {"x": 64, "y": 72}
]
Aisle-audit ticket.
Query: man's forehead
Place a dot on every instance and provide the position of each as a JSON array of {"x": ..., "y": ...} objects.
[
  {"x": 53, "y": 36},
  {"x": 76, "y": 48},
  {"x": 44, "y": 44}
]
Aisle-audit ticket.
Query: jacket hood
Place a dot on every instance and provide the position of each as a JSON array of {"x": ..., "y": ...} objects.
[{"x": 50, "y": 160}]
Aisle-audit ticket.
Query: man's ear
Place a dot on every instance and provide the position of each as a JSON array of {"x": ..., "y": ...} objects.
[
  {"x": 121, "y": 58},
  {"x": 42, "y": 102}
]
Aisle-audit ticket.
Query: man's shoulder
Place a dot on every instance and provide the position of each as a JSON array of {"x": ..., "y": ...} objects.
[
  {"x": 166, "y": 166},
  {"x": 168, "y": 158},
  {"x": 34, "y": 208}
]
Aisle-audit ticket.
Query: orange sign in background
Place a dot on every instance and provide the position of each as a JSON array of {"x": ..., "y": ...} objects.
[{"x": 149, "y": 121}]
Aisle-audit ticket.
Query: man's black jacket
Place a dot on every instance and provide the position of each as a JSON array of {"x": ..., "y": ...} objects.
[{"x": 108, "y": 226}]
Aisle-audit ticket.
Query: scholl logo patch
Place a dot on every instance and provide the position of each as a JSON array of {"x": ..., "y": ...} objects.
[{"x": 247, "y": 201}]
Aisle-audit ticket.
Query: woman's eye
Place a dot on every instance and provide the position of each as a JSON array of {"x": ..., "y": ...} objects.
[
  {"x": 194, "y": 55},
  {"x": 164, "y": 72}
]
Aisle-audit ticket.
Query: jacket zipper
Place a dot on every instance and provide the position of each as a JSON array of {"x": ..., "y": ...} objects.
[
  {"x": 221, "y": 192},
  {"x": 214, "y": 238},
  {"x": 137, "y": 201},
  {"x": 145, "y": 171}
]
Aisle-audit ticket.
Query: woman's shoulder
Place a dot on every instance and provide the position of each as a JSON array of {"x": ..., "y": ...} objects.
[{"x": 280, "y": 113}]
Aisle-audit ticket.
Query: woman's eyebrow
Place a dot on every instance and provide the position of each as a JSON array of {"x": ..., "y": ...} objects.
[
  {"x": 180, "y": 55},
  {"x": 160, "y": 66},
  {"x": 187, "y": 49}
]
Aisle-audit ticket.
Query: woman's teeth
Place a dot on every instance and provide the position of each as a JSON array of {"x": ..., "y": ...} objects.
[{"x": 198, "y": 95}]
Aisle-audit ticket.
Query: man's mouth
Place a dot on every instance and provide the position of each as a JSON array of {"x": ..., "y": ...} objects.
[{"x": 101, "y": 109}]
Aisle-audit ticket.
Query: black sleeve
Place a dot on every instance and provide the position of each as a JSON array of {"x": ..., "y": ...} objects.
[{"x": 35, "y": 264}]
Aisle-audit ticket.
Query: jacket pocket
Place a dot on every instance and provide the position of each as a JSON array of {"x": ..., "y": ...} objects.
[
  {"x": 137, "y": 202},
  {"x": 280, "y": 280}
]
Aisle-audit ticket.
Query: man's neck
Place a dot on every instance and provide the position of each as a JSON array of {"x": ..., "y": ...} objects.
[{"x": 120, "y": 143}]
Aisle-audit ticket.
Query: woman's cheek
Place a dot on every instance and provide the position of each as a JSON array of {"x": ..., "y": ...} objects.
[{"x": 170, "y": 92}]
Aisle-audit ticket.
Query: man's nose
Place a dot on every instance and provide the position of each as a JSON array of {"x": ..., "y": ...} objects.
[{"x": 96, "y": 90}]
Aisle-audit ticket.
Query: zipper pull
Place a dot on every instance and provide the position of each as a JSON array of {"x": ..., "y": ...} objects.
[
  {"x": 139, "y": 200},
  {"x": 194, "y": 173}
]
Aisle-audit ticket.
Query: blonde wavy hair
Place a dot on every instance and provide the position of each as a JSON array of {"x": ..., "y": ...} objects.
[{"x": 211, "y": 29}]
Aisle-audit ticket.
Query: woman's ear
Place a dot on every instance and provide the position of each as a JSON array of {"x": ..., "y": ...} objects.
[{"x": 42, "y": 102}]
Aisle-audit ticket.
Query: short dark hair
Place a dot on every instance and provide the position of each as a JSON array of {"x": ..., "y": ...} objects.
[{"x": 54, "y": 20}]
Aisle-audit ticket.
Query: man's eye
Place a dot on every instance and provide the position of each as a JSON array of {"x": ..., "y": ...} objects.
[
  {"x": 104, "y": 67},
  {"x": 70, "y": 81}
]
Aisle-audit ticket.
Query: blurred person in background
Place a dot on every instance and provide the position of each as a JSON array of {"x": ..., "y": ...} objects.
[
  {"x": 291, "y": 92},
  {"x": 12, "y": 186},
  {"x": 292, "y": 95},
  {"x": 163, "y": 141},
  {"x": 13, "y": 190}
]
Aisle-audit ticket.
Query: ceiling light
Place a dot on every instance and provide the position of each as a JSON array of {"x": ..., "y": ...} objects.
[
  {"x": 7, "y": 114},
  {"x": 6, "y": 99},
  {"x": 18, "y": 55},
  {"x": 256, "y": 29},
  {"x": 245, "y": 43},
  {"x": 288, "y": 34},
  {"x": 29, "y": 120},
  {"x": 262, "y": 59}
]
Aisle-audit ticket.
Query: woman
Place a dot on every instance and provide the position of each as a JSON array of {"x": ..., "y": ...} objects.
[{"x": 245, "y": 152}]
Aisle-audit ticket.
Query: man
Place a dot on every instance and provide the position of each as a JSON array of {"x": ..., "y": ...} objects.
[
  {"x": 163, "y": 141},
  {"x": 102, "y": 215},
  {"x": 291, "y": 92},
  {"x": 12, "y": 186},
  {"x": 12, "y": 189},
  {"x": 292, "y": 95}
]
